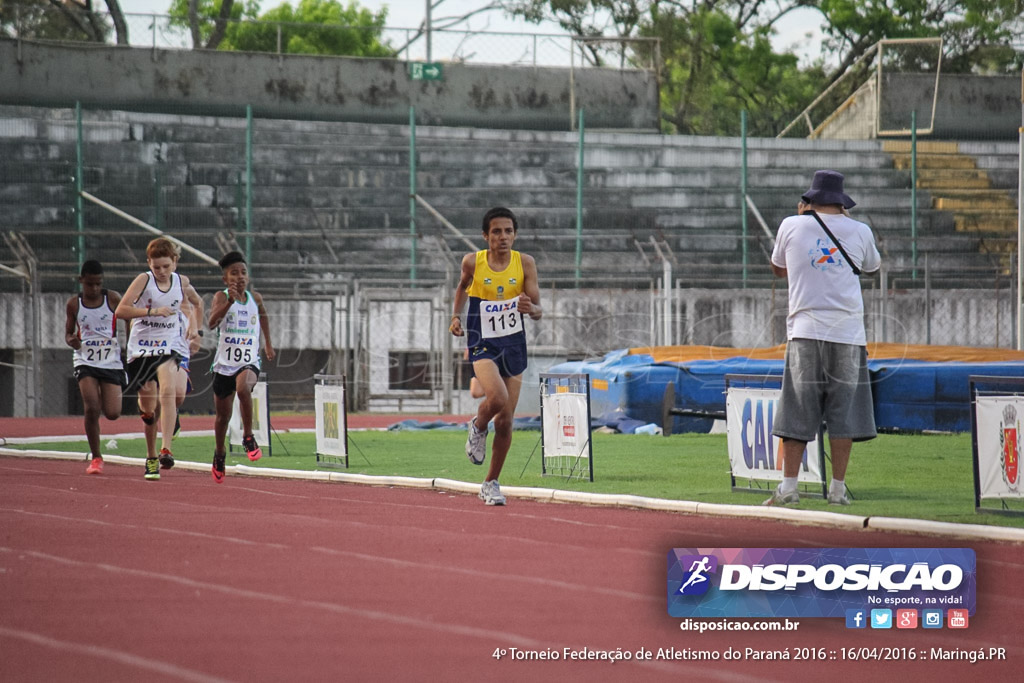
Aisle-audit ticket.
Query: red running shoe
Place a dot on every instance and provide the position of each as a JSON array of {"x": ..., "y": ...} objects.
[
  {"x": 95, "y": 467},
  {"x": 252, "y": 449},
  {"x": 218, "y": 468}
]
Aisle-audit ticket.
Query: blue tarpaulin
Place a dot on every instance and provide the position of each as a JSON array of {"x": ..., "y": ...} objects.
[{"x": 909, "y": 395}]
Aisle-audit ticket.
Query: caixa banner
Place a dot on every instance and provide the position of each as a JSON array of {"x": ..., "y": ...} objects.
[{"x": 817, "y": 582}]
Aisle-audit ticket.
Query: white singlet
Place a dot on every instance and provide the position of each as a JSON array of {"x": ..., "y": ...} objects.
[
  {"x": 154, "y": 335},
  {"x": 97, "y": 328},
  {"x": 238, "y": 337}
]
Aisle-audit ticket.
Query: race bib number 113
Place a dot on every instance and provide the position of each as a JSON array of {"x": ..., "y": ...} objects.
[{"x": 500, "y": 318}]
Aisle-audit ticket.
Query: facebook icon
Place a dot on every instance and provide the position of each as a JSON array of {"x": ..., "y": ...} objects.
[{"x": 856, "y": 618}]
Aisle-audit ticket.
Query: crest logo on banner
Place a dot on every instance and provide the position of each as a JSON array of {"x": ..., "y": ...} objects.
[{"x": 1009, "y": 440}]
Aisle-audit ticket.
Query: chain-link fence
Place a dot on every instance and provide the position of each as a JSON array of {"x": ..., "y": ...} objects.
[
  {"x": 41, "y": 22},
  {"x": 355, "y": 231}
]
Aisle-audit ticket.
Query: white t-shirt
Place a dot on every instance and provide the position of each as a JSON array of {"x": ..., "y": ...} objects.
[{"x": 825, "y": 301}]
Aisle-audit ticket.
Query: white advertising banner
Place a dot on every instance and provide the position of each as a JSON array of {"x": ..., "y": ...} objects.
[
  {"x": 753, "y": 452},
  {"x": 566, "y": 430},
  {"x": 998, "y": 420},
  {"x": 330, "y": 420}
]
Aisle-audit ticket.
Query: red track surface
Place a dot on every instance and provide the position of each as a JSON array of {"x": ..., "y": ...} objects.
[
  {"x": 11, "y": 427},
  {"x": 114, "y": 578}
]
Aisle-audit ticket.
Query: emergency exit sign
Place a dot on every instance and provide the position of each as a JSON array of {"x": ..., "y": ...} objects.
[{"x": 426, "y": 71}]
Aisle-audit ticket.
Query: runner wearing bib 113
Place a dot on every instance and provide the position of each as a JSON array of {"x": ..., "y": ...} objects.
[
  {"x": 500, "y": 286},
  {"x": 494, "y": 324}
]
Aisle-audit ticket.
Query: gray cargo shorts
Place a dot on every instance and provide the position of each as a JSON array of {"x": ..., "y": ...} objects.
[{"x": 825, "y": 380}]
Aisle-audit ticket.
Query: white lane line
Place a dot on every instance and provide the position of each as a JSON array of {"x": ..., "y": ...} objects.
[
  {"x": 373, "y": 559},
  {"x": 506, "y": 638},
  {"x": 414, "y": 506},
  {"x": 175, "y": 532},
  {"x": 496, "y": 576},
  {"x": 118, "y": 656},
  {"x": 372, "y": 526},
  {"x": 291, "y": 601}
]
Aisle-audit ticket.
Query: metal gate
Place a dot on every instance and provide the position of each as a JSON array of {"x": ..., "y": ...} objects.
[{"x": 403, "y": 360}]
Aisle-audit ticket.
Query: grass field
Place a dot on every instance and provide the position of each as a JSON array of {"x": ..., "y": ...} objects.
[{"x": 911, "y": 476}]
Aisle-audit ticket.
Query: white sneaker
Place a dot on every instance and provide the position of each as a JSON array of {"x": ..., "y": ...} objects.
[
  {"x": 839, "y": 498},
  {"x": 476, "y": 444},
  {"x": 779, "y": 498},
  {"x": 490, "y": 493}
]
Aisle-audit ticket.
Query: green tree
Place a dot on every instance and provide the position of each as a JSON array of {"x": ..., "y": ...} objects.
[
  {"x": 321, "y": 27},
  {"x": 208, "y": 20},
  {"x": 712, "y": 70},
  {"x": 977, "y": 34},
  {"x": 74, "y": 20},
  {"x": 717, "y": 57}
]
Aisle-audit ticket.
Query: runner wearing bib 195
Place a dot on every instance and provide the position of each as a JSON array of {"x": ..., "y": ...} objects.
[
  {"x": 500, "y": 286},
  {"x": 239, "y": 317}
]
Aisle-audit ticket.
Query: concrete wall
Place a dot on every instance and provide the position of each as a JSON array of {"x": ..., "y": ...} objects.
[
  {"x": 577, "y": 323},
  {"x": 967, "y": 108},
  {"x": 323, "y": 88}
]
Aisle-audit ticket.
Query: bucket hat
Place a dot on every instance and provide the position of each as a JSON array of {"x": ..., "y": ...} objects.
[{"x": 827, "y": 188}]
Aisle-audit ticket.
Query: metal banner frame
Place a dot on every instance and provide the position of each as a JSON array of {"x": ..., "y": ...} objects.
[
  {"x": 1009, "y": 387},
  {"x": 261, "y": 428},
  {"x": 747, "y": 380},
  {"x": 561, "y": 464},
  {"x": 331, "y": 444}
]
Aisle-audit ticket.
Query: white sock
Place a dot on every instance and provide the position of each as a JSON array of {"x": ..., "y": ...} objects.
[
  {"x": 838, "y": 486},
  {"x": 788, "y": 484}
]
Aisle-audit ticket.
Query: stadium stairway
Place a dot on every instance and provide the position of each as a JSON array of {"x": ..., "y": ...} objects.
[
  {"x": 974, "y": 182},
  {"x": 331, "y": 200}
]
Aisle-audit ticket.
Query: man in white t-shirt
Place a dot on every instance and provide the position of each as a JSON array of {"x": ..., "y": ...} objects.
[{"x": 826, "y": 372}]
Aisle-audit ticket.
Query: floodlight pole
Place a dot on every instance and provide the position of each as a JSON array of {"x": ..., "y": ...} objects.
[
  {"x": 412, "y": 192},
  {"x": 427, "y": 23},
  {"x": 79, "y": 185},
  {"x": 579, "y": 202},
  {"x": 743, "y": 191}
]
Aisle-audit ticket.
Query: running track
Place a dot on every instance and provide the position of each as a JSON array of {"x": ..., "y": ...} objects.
[{"x": 114, "y": 578}]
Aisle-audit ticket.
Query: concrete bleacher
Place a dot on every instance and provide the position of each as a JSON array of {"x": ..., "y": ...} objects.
[{"x": 331, "y": 200}]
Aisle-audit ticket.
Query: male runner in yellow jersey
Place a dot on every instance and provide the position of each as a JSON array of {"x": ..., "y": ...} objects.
[{"x": 501, "y": 286}]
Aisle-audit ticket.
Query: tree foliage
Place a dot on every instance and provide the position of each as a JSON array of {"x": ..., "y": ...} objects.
[
  {"x": 319, "y": 27},
  {"x": 717, "y": 57},
  {"x": 977, "y": 34},
  {"x": 74, "y": 20}
]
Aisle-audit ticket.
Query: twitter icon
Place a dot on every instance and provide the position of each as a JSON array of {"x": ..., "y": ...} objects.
[{"x": 881, "y": 618}]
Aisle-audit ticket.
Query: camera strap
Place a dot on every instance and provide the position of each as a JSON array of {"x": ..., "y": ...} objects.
[{"x": 853, "y": 266}]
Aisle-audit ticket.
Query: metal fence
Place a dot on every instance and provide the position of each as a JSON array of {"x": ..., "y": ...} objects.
[
  {"x": 639, "y": 239},
  {"x": 411, "y": 44}
]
